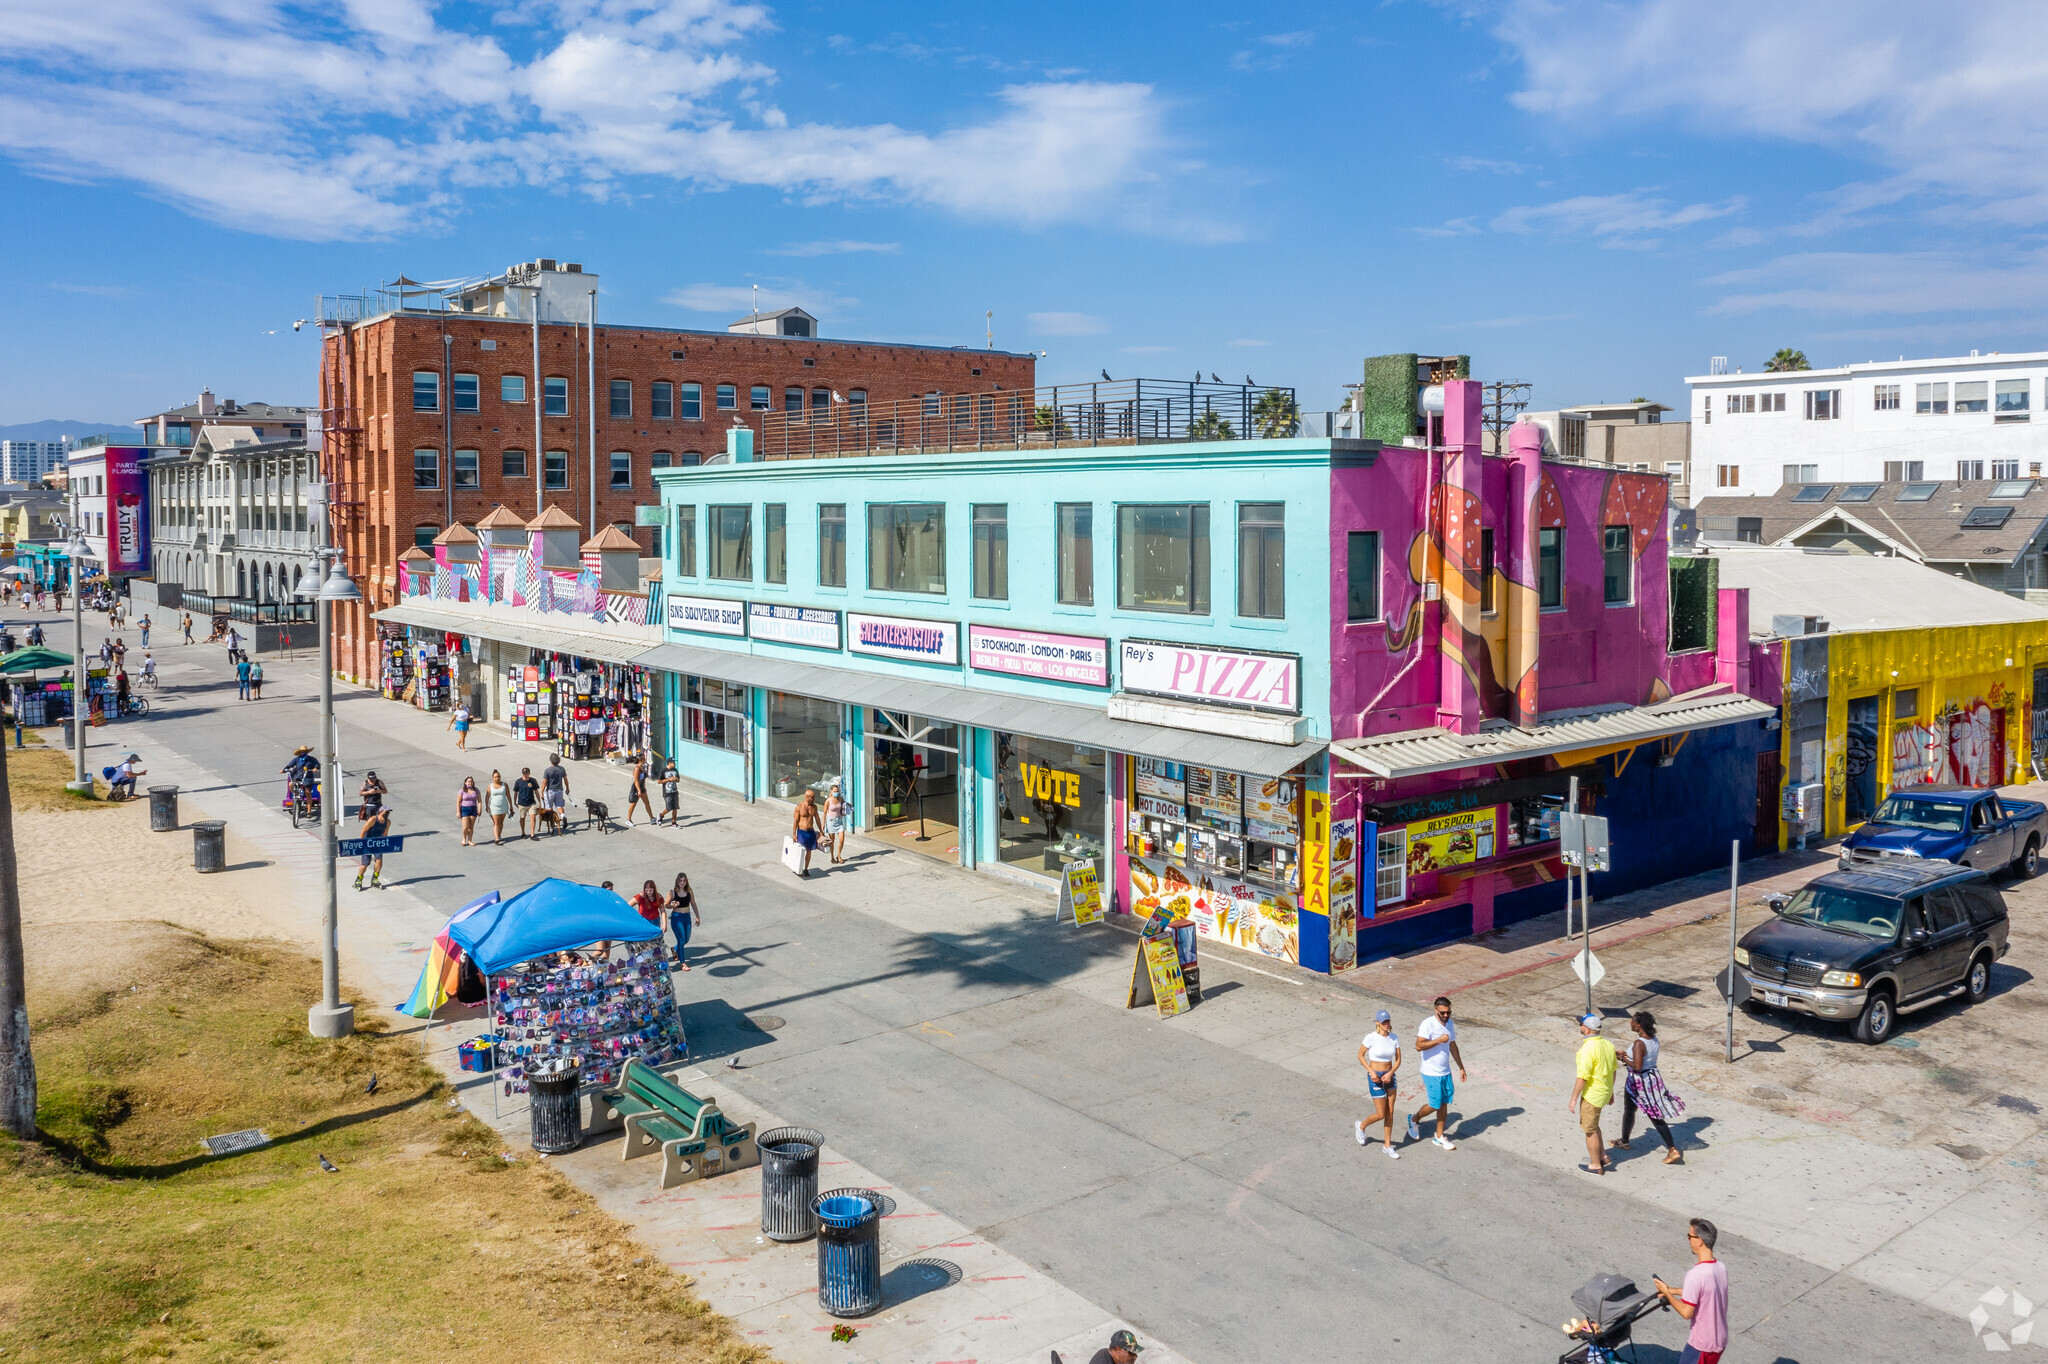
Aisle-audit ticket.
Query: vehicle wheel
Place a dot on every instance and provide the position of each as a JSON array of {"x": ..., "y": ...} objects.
[
  {"x": 1878, "y": 1018},
  {"x": 141, "y": 706},
  {"x": 1978, "y": 983},
  {"x": 2029, "y": 862}
]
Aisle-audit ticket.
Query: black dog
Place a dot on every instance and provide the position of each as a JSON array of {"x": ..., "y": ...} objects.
[{"x": 600, "y": 814}]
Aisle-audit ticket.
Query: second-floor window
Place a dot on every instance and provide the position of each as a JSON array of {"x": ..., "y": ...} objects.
[
  {"x": 555, "y": 396},
  {"x": 1362, "y": 575},
  {"x": 426, "y": 468},
  {"x": 1823, "y": 404},
  {"x": 468, "y": 393},
  {"x": 1930, "y": 399},
  {"x": 1550, "y": 568},
  {"x": 1162, "y": 557},
  {"x": 906, "y": 546},
  {"x": 622, "y": 469},
  {"x": 1973, "y": 395},
  {"x": 692, "y": 406},
  {"x": 728, "y": 397},
  {"x": 622, "y": 397},
  {"x": 466, "y": 472},
  {"x": 832, "y": 545},
  {"x": 1261, "y": 560},
  {"x": 512, "y": 388},
  {"x": 555, "y": 469},
  {"x": 426, "y": 390},
  {"x": 732, "y": 543},
  {"x": 661, "y": 400},
  {"x": 992, "y": 551},
  {"x": 759, "y": 397},
  {"x": 686, "y": 542},
  {"x": 775, "y": 542},
  {"x": 2013, "y": 395},
  {"x": 793, "y": 404},
  {"x": 1617, "y": 571},
  {"x": 1884, "y": 398},
  {"x": 513, "y": 464},
  {"x": 1074, "y": 567}
]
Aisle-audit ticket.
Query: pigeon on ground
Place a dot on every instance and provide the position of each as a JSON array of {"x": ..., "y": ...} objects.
[
  {"x": 329, "y": 1165},
  {"x": 732, "y": 1063},
  {"x": 371, "y": 1088}
]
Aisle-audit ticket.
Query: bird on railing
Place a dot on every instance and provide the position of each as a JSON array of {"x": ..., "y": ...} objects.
[
  {"x": 1212, "y": 377},
  {"x": 1106, "y": 378},
  {"x": 1250, "y": 382}
]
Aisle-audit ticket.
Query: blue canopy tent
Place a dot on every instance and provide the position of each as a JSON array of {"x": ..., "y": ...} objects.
[{"x": 550, "y": 916}]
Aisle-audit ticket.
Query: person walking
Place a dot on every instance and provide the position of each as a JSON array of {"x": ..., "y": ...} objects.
[
  {"x": 497, "y": 804},
  {"x": 371, "y": 795},
  {"x": 107, "y": 652},
  {"x": 1593, "y": 1090},
  {"x": 242, "y": 680},
  {"x": 671, "y": 783},
  {"x": 120, "y": 691},
  {"x": 636, "y": 791},
  {"x": 684, "y": 913},
  {"x": 120, "y": 652},
  {"x": 649, "y": 902},
  {"x": 1703, "y": 1298},
  {"x": 838, "y": 814},
  {"x": 459, "y": 722},
  {"x": 376, "y": 824},
  {"x": 468, "y": 801},
  {"x": 255, "y": 679},
  {"x": 804, "y": 829},
  {"x": 554, "y": 792},
  {"x": 526, "y": 796},
  {"x": 35, "y": 634},
  {"x": 234, "y": 644},
  {"x": 185, "y": 626},
  {"x": 143, "y": 625},
  {"x": 1380, "y": 1054},
  {"x": 1436, "y": 1042},
  {"x": 1642, "y": 1090}
]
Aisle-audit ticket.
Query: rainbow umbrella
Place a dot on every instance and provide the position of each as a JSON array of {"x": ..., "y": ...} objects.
[{"x": 442, "y": 972}]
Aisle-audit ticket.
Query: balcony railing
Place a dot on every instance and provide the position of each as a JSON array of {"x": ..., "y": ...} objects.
[{"x": 1118, "y": 412}]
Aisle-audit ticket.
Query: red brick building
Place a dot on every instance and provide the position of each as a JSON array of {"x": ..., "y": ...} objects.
[{"x": 429, "y": 399}]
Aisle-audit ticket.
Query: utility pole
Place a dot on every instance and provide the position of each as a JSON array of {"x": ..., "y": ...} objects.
[
  {"x": 17, "y": 1062},
  {"x": 1504, "y": 402}
]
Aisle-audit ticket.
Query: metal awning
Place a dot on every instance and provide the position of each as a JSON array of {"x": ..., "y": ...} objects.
[
  {"x": 560, "y": 639},
  {"x": 1415, "y": 752},
  {"x": 1085, "y": 725}
]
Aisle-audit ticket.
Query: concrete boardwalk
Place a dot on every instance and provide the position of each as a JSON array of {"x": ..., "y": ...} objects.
[{"x": 1194, "y": 1176}]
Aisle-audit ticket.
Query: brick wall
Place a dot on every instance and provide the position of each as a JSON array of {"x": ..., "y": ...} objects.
[{"x": 366, "y": 389}]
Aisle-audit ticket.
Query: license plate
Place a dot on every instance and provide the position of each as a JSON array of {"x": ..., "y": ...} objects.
[{"x": 1772, "y": 997}]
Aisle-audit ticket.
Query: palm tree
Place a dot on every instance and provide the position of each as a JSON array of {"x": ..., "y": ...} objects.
[
  {"x": 1786, "y": 361},
  {"x": 1046, "y": 419},
  {"x": 1276, "y": 415},
  {"x": 1210, "y": 426}
]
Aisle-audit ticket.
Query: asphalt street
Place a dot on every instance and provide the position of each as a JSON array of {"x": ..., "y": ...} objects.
[{"x": 1213, "y": 1197}]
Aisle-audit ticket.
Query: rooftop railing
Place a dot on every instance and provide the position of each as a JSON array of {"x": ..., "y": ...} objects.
[{"x": 1111, "y": 412}]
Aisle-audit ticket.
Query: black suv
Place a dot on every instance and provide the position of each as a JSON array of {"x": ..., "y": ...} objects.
[{"x": 1864, "y": 943}]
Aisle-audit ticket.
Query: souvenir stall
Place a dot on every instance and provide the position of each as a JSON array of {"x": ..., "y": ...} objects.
[
  {"x": 555, "y": 1004},
  {"x": 1221, "y": 849},
  {"x": 425, "y": 674},
  {"x": 591, "y": 709},
  {"x": 397, "y": 663}
]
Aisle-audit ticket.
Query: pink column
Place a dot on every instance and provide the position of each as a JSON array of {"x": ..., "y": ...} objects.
[
  {"x": 1525, "y": 483},
  {"x": 1457, "y": 502}
]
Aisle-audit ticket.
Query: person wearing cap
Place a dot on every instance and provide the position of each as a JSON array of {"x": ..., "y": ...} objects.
[
  {"x": 1380, "y": 1054},
  {"x": 1593, "y": 1091},
  {"x": 1123, "y": 1347},
  {"x": 122, "y": 785}
]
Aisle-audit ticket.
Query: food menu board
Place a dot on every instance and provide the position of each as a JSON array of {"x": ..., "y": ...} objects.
[
  {"x": 1228, "y": 909},
  {"x": 1343, "y": 894},
  {"x": 1162, "y": 780},
  {"x": 1451, "y": 841},
  {"x": 1216, "y": 791},
  {"x": 1270, "y": 802}
]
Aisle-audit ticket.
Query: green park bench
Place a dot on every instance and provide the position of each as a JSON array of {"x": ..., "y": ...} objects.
[{"x": 695, "y": 1139}]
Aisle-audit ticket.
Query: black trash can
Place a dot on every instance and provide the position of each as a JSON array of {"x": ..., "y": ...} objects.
[
  {"x": 210, "y": 845},
  {"x": 557, "y": 1111},
  {"x": 789, "y": 1182},
  {"x": 163, "y": 809},
  {"x": 849, "y": 1251}
]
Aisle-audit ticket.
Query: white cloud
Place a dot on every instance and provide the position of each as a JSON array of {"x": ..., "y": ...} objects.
[
  {"x": 377, "y": 117},
  {"x": 739, "y": 298},
  {"x": 1611, "y": 219},
  {"x": 831, "y": 248},
  {"x": 1068, "y": 324},
  {"x": 1902, "y": 283},
  {"x": 1946, "y": 100}
]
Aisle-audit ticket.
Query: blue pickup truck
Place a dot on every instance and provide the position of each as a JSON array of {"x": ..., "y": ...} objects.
[{"x": 1961, "y": 824}]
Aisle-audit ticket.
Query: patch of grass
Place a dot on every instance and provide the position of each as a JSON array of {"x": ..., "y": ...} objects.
[
  {"x": 36, "y": 777},
  {"x": 123, "y": 1240}
]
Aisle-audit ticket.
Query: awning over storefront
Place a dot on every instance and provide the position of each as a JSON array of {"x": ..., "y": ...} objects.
[
  {"x": 560, "y": 639},
  {"x": 975, "y": 707},
  {"x": 1603, "y": 729}
]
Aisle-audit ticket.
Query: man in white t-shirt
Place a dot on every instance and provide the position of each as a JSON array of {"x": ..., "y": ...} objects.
[{"x": 1437, "y": 1041}]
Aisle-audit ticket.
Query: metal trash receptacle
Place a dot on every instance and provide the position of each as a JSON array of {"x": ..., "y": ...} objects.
[
  {"x": 557, "y": 1111},
  {"x": 789, "y": 1182},
  {"x": 163, "y": 809},
  {"x": 849, "y": 1251},
  {"x": 210, "y": 845}
]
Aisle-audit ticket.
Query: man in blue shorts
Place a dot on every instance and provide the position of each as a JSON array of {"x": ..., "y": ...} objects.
[{"x": 1437, "y": 1040}]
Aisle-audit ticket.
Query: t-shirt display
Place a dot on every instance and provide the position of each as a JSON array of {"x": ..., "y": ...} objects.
[{"x": 595, "y": 1014}]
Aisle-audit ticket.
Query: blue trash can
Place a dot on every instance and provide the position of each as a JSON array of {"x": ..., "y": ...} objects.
[{"x": 849, "y": 1251}]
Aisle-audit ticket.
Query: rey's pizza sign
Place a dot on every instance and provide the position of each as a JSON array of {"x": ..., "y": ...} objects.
[{"x": 1230, "y": 677}]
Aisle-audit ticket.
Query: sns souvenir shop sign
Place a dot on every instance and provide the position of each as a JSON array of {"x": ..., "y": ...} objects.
[
  {"x": 1451, "y": 841},
  {"x": 708, "y": 616}
]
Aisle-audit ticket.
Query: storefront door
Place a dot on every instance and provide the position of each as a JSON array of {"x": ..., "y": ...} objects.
[
  {"x": 914, "y": 783},
  {"x": 1052, "y": 803}
]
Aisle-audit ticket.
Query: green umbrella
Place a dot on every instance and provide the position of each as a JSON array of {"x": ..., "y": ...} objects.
[{"x": 33, "y": 658}]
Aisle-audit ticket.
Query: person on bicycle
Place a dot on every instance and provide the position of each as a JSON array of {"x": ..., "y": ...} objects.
[
  {"x": 148, "y": 670},
  {"x": 303, "y": 771}
]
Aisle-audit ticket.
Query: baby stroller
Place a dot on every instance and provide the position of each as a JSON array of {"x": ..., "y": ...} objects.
[{"x": 1609, "y": 1306}]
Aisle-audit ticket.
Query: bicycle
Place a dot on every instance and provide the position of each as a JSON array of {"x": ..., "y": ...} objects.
[
  {"x": 149, "y": 680},
  {"x": 133, "y": 705},
  {"x": 303, "y": 801}
]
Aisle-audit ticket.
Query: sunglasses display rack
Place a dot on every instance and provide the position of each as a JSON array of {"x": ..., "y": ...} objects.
[{"x": 595, "y": 1014}]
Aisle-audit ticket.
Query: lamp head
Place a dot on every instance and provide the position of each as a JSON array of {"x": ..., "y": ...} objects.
[{"x": 339, "y": 587}]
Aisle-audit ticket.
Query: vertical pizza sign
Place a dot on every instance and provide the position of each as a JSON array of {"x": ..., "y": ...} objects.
[{"x": 1315, "y": 853}]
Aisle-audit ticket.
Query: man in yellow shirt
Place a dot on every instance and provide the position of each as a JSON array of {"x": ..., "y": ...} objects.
[{"x": 1594, "y": 1091}]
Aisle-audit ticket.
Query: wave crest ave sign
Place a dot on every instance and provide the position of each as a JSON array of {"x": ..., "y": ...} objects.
[{"x": 1230, "y": 677}]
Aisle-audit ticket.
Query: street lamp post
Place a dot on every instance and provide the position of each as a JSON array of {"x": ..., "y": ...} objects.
[
  {"x": 330, "y": 1017},
  {"x": 76, "y": 549}
]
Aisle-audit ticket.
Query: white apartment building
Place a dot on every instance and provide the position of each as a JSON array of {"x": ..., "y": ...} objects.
[
  {"x": 230, "y": 514},
  {"x": 1963, "y": 418},
  {"x": 27, "y": 461}
]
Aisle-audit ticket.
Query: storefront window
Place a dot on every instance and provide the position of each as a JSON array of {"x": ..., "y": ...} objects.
[
  {"x": 1053, "y": 800},
  {"x": 915, "y": 783},
  {"x": 803, "y": 745},
  {"x": 714, "y": 713},
  {"x": 1532, "y": 819}
]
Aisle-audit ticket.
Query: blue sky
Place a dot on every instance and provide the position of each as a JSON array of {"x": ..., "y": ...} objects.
[{"x": 1594, "y": 198}]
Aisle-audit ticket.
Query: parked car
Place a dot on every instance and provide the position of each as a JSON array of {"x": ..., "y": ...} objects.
[
  {"x": 1962, "y": 824},
  {"x": 1859, "y": 945}
]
